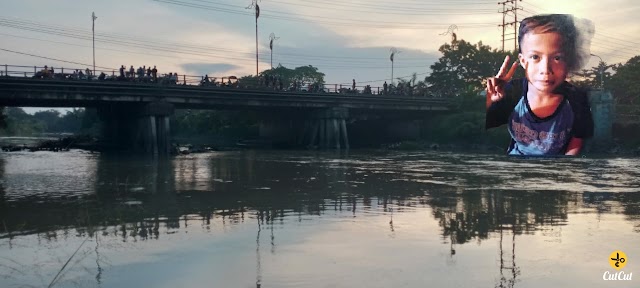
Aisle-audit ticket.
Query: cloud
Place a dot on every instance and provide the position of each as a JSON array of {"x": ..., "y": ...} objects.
[{"x": 206, "y": 68}]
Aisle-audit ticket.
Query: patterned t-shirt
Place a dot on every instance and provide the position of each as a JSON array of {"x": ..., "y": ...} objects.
[
  {"x": 540, "y": 136},
  {"x": 532, "y": 135}
]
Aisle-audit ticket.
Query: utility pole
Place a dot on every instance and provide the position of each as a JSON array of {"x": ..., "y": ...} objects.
[
  {"x": 393, "y": 51},
  {"x": 601, "y": 67},
  {"x": 254, "y": 4},
  {"x": 93, "y": 30},
  {"x": 272, "y": 38},
  {"x": 512, "y": 9}
]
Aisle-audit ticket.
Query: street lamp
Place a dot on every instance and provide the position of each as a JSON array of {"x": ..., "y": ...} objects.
[
  {"x": 601, "y": 68},
  {"x": 254, "y": 4},
  {"x": 272, "y": 38},
  {"x": 393, "y": 51},
  {"x": 93, "y": 30}
]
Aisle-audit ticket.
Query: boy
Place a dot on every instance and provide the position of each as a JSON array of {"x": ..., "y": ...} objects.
[{"x": 545, "y": 114}]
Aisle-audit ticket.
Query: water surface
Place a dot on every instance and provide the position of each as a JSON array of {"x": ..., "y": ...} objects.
[{"x": 307, "y": 219}]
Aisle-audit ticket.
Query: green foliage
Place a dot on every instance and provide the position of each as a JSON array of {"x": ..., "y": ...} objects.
[
  {"x": 18, "y": 122},
  {"x": 592, "y": 77},
  {"x": 21, "y": 123},
  {"x": 464, "y": 67},
  {"x": 303, "y": 75},
  {"x": 625, "y": 83}
]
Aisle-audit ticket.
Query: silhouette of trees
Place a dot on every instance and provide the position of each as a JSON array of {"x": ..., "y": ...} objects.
[
  {"x": 464, "y": 67},
  {"x": 624, "y": 83},
  {"x": 18, "y": 122},
  {"x": 300, "y": 77}
]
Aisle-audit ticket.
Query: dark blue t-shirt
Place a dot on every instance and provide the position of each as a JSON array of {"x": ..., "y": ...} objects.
[
  {"x": 539, "y": 136},
  {"x": 532, "y": 135}
]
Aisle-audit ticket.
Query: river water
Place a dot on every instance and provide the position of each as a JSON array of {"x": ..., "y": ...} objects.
[{"x": 316, "y": 219}]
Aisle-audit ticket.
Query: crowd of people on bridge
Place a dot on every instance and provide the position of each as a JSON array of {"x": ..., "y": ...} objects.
[{"x": 144, "y": 74}]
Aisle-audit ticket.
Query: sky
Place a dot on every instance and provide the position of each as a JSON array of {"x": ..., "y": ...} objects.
[{"x": 345, "y": 39}]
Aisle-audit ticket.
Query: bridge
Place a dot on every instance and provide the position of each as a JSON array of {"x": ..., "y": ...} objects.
[{"x": 137, "y": 114}]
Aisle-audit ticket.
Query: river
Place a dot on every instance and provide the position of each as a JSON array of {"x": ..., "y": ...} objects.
[{"x": 365, "y": 218}]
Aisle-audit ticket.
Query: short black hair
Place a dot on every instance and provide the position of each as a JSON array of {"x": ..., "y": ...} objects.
[{"x": 563, "y": 24}]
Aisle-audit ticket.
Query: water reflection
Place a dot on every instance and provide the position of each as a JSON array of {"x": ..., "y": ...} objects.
[{"x": 124, "y": 202}]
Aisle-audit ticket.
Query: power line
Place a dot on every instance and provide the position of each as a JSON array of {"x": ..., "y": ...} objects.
[
  {"x": 340, "y": 22},
  {"x": 246, "y": 60},
  {"x": 177, "y": 47},
  {"x": 53, "y": 59},
  {"x": 513, "y": 8},
  {"x": 372, "y": 8}
]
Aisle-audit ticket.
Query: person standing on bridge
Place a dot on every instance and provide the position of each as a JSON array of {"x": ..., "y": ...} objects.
[
  {"x": 154, "y": 72},
  {"x": 353, "y": 86},
  {"x": 132, "y": 73},
  {"x": 384, "y": 87},
  {"x": 545, "y": 114}
]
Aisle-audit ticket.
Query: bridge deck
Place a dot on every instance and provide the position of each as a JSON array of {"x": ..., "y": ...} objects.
[{"x": 29, "y": 92}]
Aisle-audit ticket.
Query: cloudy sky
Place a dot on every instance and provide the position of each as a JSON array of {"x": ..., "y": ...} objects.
[{"x": 344, "y": 39}]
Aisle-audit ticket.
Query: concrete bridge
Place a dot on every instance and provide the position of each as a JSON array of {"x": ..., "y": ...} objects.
[{"x": 138, "y": 114}]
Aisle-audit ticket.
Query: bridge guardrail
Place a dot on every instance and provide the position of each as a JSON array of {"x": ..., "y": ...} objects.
[{"x": 85, "y": 73}]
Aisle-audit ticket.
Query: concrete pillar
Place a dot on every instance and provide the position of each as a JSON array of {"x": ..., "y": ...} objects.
[
  {"x": 330, "y": 128},
  {"x": 328, "y": 132},
  {"x": 336, "y": 133},
  {"x": 167, "y": 138},
  {"x": 153, "y": 135},
  {"x": 602, "y": 110},
  {"x": 314, "y": 133},
  {"x": 343, "y": 129},
  {"x": 322, "y": 135}
]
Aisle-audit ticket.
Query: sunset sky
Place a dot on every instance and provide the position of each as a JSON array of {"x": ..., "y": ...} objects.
[{"x": 344, "y": 39}]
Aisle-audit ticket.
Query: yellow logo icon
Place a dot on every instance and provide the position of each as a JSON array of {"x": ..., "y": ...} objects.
[{"x": 618, "y": 259}]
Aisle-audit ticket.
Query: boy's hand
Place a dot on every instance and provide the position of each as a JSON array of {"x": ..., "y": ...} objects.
[{"x": 495, "y": 85}]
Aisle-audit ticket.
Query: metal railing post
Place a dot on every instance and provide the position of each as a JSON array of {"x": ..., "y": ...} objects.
[{"x": 6, "y": 70}]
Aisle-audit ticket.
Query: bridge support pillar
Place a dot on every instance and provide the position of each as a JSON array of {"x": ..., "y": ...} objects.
[
  {"x": 328, "y": 129},
  {"x": 138, "y": 127},
  {"x": 602, "y": 110},
  {"x": 153, "y": 130}
]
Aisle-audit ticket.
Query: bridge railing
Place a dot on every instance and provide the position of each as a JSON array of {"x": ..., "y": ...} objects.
[{"x": 106, "y": 74}]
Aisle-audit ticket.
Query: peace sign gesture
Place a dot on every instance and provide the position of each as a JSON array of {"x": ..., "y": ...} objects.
[{"x": 495, "y": 85}]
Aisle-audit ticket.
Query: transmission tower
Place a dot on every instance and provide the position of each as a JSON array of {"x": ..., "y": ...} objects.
[{"x": 510, "y": 8}]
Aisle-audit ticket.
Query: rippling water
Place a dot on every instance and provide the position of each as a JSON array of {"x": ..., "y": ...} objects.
[{"x": 306, "y": 219}]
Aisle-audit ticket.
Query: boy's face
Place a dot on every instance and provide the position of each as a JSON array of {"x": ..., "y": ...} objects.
[{"x": 543, "y": 60}]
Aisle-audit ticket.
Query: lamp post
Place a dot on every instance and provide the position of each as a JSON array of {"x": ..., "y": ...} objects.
[
  {"x": 93, "y": 30},
  {"x": 257, "y": 15},
  {"x": 393, "y": 51},
  {"x": 254, "y": 5},
  {"x": 601, "y": 68},
  {"x": 272, "y": 38}
]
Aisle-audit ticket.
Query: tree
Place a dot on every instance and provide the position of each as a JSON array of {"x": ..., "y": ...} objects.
[
  {"x": 465, "y": 66},
  {"x": 303, "y": 76},
  {"x": 592, "y": 77},
  {"x": 21, "y": 123},
  {"x": 49, "y": 119},
  {"x": 625, "y": 83}
]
